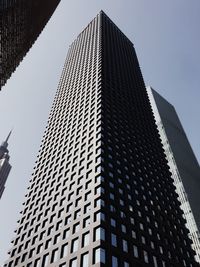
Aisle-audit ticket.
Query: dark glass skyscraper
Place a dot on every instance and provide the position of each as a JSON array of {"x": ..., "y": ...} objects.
[
  {"x": 101, "y": 193},
  {"x": 5, "y": 166},
  {"x": 21, "y": 22}
]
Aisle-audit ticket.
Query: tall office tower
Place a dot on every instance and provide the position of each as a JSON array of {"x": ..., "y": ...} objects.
[
  {"x": 21, "y": 22},
  {"x": 101, "y": 193},
  {"x": 182, "y": 161},
  {"x": 5, "y": 166}
]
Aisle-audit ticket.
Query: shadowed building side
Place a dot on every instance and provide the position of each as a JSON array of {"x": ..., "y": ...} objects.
[
  {"x": 21, "y": 22},
  {"x": 182, "y": 161}
]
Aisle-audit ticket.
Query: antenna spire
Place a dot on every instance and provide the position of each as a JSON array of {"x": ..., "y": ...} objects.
[{"x": 8, "y": 136}]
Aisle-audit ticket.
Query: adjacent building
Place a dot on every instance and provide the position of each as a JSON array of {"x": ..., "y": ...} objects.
[
  {"x": 182, "y": 161},
  {"x": 101, "y": 193},
  {"x": 21, "y": 22},
  {"x": 5, "y": 166}
]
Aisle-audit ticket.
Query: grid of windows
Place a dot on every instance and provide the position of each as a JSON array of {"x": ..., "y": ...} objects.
[{"x": 101, "y": 192}]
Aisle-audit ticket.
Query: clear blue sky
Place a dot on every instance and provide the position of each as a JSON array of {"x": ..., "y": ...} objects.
[{"x": 167, "y": 40}]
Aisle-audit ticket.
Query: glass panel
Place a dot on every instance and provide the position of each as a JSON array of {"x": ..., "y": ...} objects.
[
  {"x": 114, "y": 240},
  {"x": 100, "y": 256},
  {"x": 85, "y": 260},
  {"x": 54, "y": 256},
  {"x": 114, "y": 262},
  {"x": 146, "y": 258},
  {"x": 74, "y": 245},
  {"x": 86, "y": 239},
  {"x": 135, "y": 251},
  {"x": 73, "y": 263},
  {"x": 125, "y": 246},
  {"x": 45, "y": 260},
  {"x": 64, "y": 250},
  {"x": 99, "y": 234},
  {"x": 155, "y": 261}
]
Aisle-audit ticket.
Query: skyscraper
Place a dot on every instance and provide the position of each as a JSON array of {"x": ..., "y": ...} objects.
[
  {"x": 182, "y": 161},
  {"x": 21, "y": 22},
  {"x": 101, "y": 193},
  {"x": 5, "y": 166}
]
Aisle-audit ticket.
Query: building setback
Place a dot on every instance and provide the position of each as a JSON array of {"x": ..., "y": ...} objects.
[
  {"x": 21, "y": 22},
  {"x": 5, "y": 166},
  {"x": 101, "y": 193},
  {"x": 182, "y": 161}
]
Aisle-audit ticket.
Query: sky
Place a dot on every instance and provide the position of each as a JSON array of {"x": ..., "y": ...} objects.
[{"x": 167, "y": 40}]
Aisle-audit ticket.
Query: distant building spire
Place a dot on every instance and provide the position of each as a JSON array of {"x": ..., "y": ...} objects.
[
  {"x": 5, "y": 143},
  {"x": 8, "y": 136},
  {"x": 5, "y": 166}
]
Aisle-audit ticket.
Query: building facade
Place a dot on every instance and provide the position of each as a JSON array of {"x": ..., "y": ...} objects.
[
  {"x": 182, "y": 161},
  {"x": 101, "y": 193},
  {"x": 5, "y": 166},
  {"x": 21, "y": 22}
]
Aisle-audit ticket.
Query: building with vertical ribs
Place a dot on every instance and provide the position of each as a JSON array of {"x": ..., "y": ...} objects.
[
  {"x": 182, "y": 161},
  {"x": 101, "y": 193},
  {"x": 21, "y": 22},
  {"x": 5, "y": 166}
]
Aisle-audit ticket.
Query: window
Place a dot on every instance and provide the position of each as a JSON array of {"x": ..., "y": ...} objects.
[
  {"x": 114, "y": 240},
  {"x": 141, "y": 226},
  {"x": 39, "y": 249},
  {"x": 155, "y": 261},
  {"x": 99, "y": 255},
  {"x": 66, "y": 234},
  {"x": 135, "y": 251},
  {"x": 114, "y": 262},
  {"x": 57, "y": 239},
  {"x": 64, "y": 250},
  {"x": 133, "y": 234},
  {"x": 143, "y": 239},
  {"x": 99, "y": 234},
  {"x": 150, "y": 231},
  {"x": 86, "y": 222},
  {"x": 85, "y": 260},
  {"x": 76, "y": 228},
  {"x": 152, "y": 245},
  {"x": 74, "y": 247},
  {"x": 112, "y": 196},
  {"x": 54, "y": 256},
  {"x": 73, "y": 263},
  {"x": 99, "y": 216},
  {"x": 146, "y": 258},
  {"x": 77, "y": 214},
  {"x": 37, "y": 263},
  {"x": 125, "y": 245},
  {"x": 86, "y": 239},
  {"x": 45, "y": 260},
  {"x": 87, "y": 208},
  {"x": 16, "y": 261},
  {"x": 123, "y": 228},
  {"x": 113, "y": 222}
]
